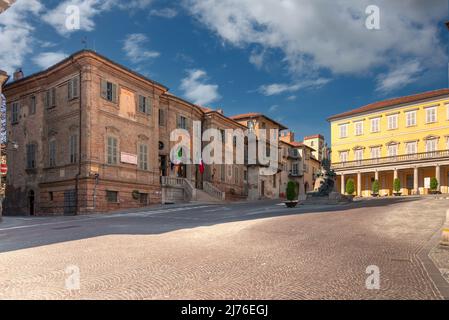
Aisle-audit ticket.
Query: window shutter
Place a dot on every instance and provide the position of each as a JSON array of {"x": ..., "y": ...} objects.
[
  {"x": 148, "y": 105},
  {"x": 75, "y": 87},
  {"x": 104, "y": 89},
  {"x": 141, "y": 103},
  {"x": 53, "y": 97},
  {"x": 114, "y": 93},
  {"x": 47, "y": 99},
  {"x": 178, "y": 121},
  {"x": 70, "y": 89}
]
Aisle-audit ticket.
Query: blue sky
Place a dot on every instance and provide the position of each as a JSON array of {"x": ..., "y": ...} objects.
[{"x": 296, "y": 61}]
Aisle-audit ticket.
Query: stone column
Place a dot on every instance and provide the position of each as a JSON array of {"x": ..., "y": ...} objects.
[
  {"x": 376, "y": 175},
  {"x": 438, "y": 176},
  {"x": 395, "y": 174},
  {"x": 359, "y": 184},
  {"x": 342, "y": 184},
  {"x": 415, "y": 181}
]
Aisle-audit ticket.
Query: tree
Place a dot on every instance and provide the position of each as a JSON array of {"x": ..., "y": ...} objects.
[
  {"x": 434, "y": 184},
  {"x": 291, "y": 191},
  {"x": 397, "y": 185},
  {"x": 350, "y": 187},
  {"x": 375, "y": 187}
]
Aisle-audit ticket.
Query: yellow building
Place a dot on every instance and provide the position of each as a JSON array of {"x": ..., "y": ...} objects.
[{"x": 405, "y": 138}]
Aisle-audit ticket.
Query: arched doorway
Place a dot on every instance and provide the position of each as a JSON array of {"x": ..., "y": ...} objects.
[{"x": 31, "y": 202}]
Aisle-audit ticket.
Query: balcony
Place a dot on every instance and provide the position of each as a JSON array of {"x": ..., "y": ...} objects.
[
  {"x": 396, "y": 160},
  {"x": 295, "y": 174}
]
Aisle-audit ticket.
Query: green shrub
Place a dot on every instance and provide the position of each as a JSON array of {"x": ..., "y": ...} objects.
[
  {"x": 397, "y": 185},
  {"x": 375, "y": 187},
  {"x": 433, "y": 184},
  {"x": 350, "y": 187},
  {"x": 291, "y": 191}
]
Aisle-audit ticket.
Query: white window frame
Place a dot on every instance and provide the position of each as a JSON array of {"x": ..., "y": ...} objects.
[
  {"x": 376, "y": 152},
  {"x": 392, "y": 147},
  {"x": 409, "y": 116},
  {"x": 358, "y": 154},
  {"x": 344, "y": 156},
  {"x": 408, "y": 148},
  {"x": 343, "y": 130},
  {"x": 392, "y": 122},
  {"x": 432, "y": 142},
  {"x": 431, "y": 115},
  {"x": 358, "y": 128},
  {"x": 375, "y": 125}
]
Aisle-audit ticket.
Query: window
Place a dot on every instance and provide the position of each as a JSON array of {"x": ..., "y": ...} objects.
[
  {"x": 358, "y": 154},
  {"x": 343, "y": 156},
  {"x": 222, "y": 173},
  {"x": 182, "y": 122},
  {"x": 393, "y": 122},
  {"x": 410, "y": 118},
  {"x": 245, "y": 175},
  {"x": 223, "y": 135},
  {"x": 161, "y": 117},
  {"x": 143, "y": 157},
  {"x": 145, "y": 104},
  {"x": 52, "y": 153},
  {"x": 375, "y": 125},
  {"x": 112, "y": 196},
  {"x": 50, "y": 196},
  {"x": 15, "y": 113},
  {"x": 143, "y": 198},
  {"x": 112, "y": 150},
  {"x": 411, "y": 147},
  {"x": 343, "y": 131},
  {"x": 263, "y": 125},
  {"x": 109, "y": 91},
  {"x": 72, "y": 88},
  {"x": 431, "y": 115},
  {"x": 431, "y": 145},
  {"x": 32, "y": 105},
  {"x": 312, "y": 143},
  {"x": 358, "y": 128},
  {"x": 295, "y": 169},
  {"x": 236, "y": 175},
  {"x": 50, "y": 98},
  {"x": 31, "y": 156},
  {"x": 274, "y": 181},
  {"x": 375, "y": 153},
  {"x": 73, "y": 148},
  {"x": 392, "y": 150}
]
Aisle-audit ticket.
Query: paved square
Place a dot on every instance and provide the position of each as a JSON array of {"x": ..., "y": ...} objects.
[{"x": 238, "y": 251}]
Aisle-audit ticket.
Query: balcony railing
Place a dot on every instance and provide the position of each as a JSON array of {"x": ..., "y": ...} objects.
[{"x": 415, "y": 157}]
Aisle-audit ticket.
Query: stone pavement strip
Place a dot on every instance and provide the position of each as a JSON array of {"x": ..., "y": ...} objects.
[{"x": 305, "y": 256}]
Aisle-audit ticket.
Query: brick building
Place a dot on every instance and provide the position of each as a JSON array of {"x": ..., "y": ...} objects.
[{"x": 94, "y": 136}]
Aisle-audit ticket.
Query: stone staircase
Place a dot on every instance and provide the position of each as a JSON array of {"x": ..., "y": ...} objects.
[{"x": 176, "y": 189}]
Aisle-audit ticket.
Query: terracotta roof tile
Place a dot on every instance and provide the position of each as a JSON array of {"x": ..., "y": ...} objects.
[{"x": 392, "y": 102}]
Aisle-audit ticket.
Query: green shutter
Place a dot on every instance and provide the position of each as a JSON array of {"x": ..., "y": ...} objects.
[
  {"x": 148, "y": 105},
  {"x": 75, "y": 87},
  {"x": 53, "y": 97},
  {"x": 70, "y": 89},
  {"x": 47, "y": 99},
  {"x": 114, "y": 93}
]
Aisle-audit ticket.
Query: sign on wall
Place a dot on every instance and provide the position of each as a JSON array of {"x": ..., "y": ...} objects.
[{"x": 128, "y": 158}]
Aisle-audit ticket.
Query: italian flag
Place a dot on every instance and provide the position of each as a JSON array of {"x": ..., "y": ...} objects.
[{"x": 201, "y": 166}]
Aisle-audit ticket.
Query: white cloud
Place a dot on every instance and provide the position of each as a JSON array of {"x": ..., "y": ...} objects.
[
  {"x": 279, "y": 88},
  {"x": 134, "y": 47},
  {"x": 167, "y": 13},
  {"x": 399, "y": 76},
  {"x": 273, "y": 108},
  {"x": 291, "y": 98},
  {"x": 196, "y": 90},
  {"x": 47, "y": 59},
  {"x": 88, "y": 10},
  {"x": 257, "y": 58},
  {"x": 316, "y": 36},
  {"x": 16, "y": 39}
]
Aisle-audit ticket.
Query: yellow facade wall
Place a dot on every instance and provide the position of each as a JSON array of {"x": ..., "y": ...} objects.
[{"x": 401, "y": 135}]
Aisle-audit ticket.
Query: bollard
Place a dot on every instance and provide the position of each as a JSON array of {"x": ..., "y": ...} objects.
[{"x": 445, "y": 235}]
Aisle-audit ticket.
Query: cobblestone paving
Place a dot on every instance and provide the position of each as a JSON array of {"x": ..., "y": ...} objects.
[{"x": 306, "y": 256}]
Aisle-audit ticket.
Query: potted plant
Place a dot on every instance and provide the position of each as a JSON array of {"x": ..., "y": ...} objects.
[
  {"x": 375, "y": 188},
  {"x": 350, "y": 188},
  {"x": 397, "y": 187},
  {"x": 291, "y": 195},
  {"x": 434, "y": 186}
]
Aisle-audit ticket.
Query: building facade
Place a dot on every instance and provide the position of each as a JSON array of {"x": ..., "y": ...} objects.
[
  {"x": 316, "y": 142},
  {"x": 94, "y": 136},
  {"x": 405, "y": 138}
]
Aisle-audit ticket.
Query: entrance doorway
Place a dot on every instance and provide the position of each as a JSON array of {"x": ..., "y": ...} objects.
[
  {"x": 31, "y": 202},
  {"x": 70, "y": 202},
  {"x": 410, "y": 182},
  {"x": 163, "y": 165}
]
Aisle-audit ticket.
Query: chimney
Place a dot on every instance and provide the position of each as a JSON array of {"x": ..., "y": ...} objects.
[
  {"x": 220, "y": 111},
  {"x": 18, "y": 75}
]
